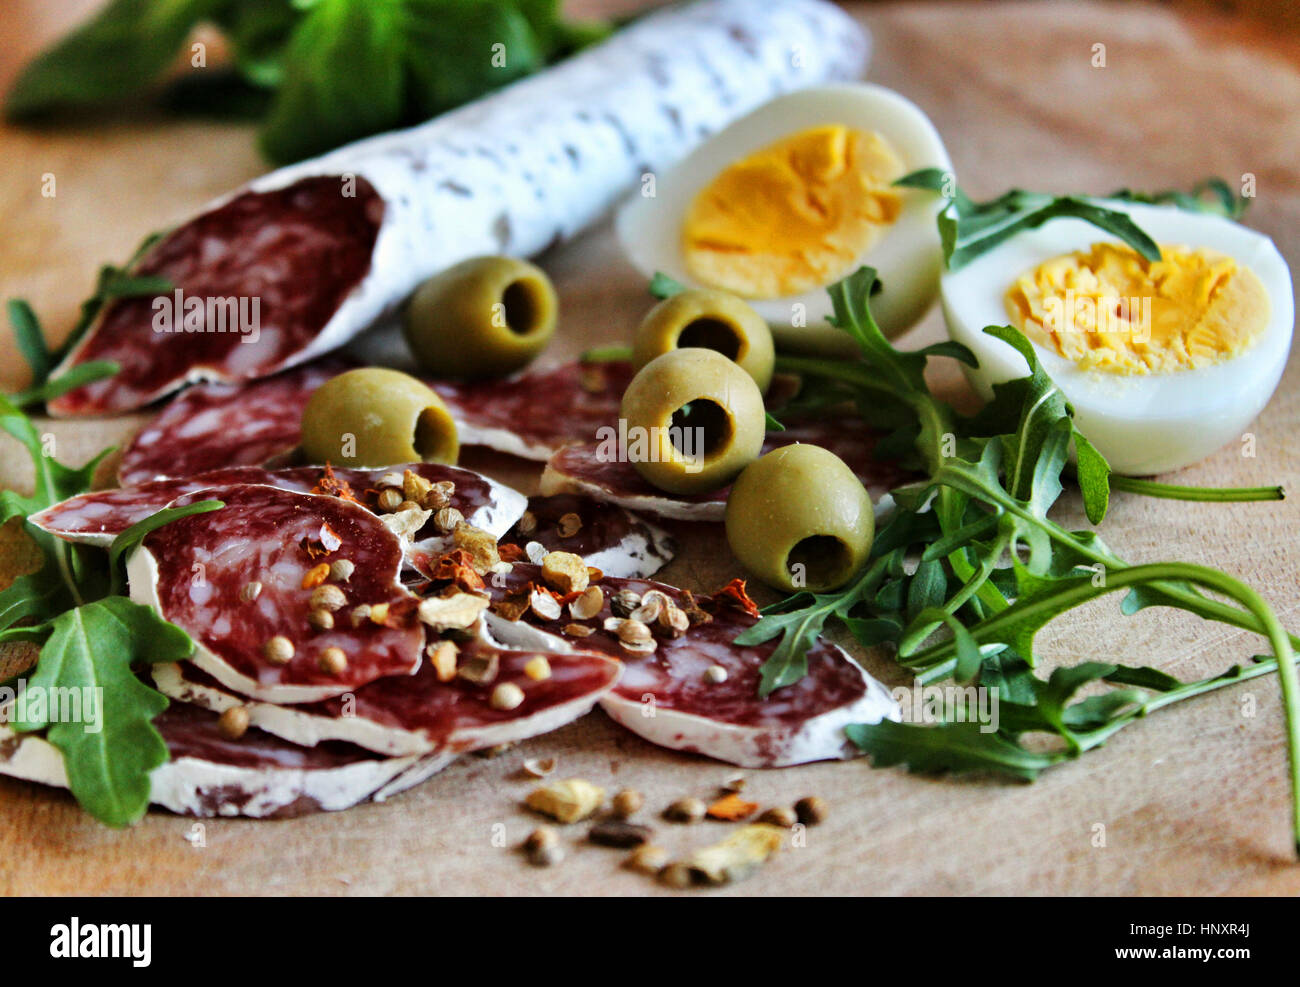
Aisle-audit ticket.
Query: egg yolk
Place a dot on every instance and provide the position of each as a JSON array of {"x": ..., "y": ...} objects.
[
  {"x": 1109, "y": 308},
  {"x": 793, "y": 216}
]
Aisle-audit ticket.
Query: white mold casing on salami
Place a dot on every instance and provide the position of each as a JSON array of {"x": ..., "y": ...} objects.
[
  {"x": 211, "y": 560},
  {"x": 539, "y": 161},
  {"x": 279, "y": 780},
  {"x": 666, "y": 698},
  {"x": 418, "y": 714}
]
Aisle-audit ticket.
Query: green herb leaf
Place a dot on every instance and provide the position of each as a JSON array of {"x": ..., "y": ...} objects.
[
  {"x": 343, "y": 79},
  {"x": 91, "y": 650},
  {"x": 1094, "y": 477},
  {"x": 39, "y": 596},
  {"x": 30, "y": 339},
  {"x": 663, "y": 286},
  {"x": 122, "y": 49},
  {"x": 136, "y": 533},
  {"x": 1222, "y": 201},
  {"x": 77, "y": 376},
  {"x": 956, "y": 747},
  {"x": 969, "y": 229}
]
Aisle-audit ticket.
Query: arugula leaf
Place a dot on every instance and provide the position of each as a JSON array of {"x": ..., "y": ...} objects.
[
  {"x": 38, "y": 596},
  {"x": 122, "y": 49},
  {"x": 664, "y": 286},
  {"x": 1094, "y": 476},
  {"x": 78, "y": 376},
  {"x": 1222, "y": 200},
  {"x": 91, "y": 650},
  {"x": 30, "y": 339},
  {"x": 956, "y": 747},
  {"x": 126, "y": 541},
  {"x": 969, "y": 229}
]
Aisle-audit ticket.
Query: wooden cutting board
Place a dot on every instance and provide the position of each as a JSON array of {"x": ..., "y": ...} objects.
[{"x": 1191, "y": 801}]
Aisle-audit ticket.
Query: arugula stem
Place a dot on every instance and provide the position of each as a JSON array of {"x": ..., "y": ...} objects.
[
  {"x": 1184, "y": 599},
  {"x": 1035, "y": 611},
  {"x": 1175, "y": 491}
]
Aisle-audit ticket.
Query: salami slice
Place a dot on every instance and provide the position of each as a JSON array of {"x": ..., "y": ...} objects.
[
  {"x": 597, "y": 470},
  {"x": 419, "y": 714},
  {"x": 533, "y": 414},
  {"x": 214, "y": 426},
  {"x": 698, "y": 691},
  {"x": 258, "y": 775},
  {"x": 607, "y": 536},
  {"x": 97, "y": 518},
  {"x": 237, "y": 579},
  {"x": 327, "y": 247}
]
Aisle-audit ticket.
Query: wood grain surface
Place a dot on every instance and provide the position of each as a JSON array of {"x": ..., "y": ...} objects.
[{"x": 1191, "y": 801}]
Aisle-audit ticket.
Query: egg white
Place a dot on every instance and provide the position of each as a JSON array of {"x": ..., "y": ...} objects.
[
  {"x": 907, "y": 255},
  {"x": 1142, "y": 424}
]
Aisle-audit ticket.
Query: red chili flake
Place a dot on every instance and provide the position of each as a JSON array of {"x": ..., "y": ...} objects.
[
  {"x": 510, "y": 552},
  {"x": 734, "y": 593},
  {"x": 455, "y": 567},
  {"x": 331, "y": 485}
]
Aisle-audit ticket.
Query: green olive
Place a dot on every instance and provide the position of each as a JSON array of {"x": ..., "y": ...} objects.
[
  {"x": 713, "y": 320},
  {"x": 483, "y": 317},
  {"x": 799, "y": 519},
  {"x": 694, "y": 420},
  {"x": 377, "y": 417}
]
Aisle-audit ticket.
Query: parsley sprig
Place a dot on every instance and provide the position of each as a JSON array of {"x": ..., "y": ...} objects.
[
  {"x": 970, "y": 566},
  {"x": 91, "y": 637}
]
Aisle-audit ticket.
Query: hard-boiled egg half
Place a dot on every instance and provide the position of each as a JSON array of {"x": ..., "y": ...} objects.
[
  {"x": 1164, "y": 361},
  {"x": 793, "y": 197}
]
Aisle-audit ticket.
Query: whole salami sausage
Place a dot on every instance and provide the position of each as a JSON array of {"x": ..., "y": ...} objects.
[{"x": 304, "y": 258}]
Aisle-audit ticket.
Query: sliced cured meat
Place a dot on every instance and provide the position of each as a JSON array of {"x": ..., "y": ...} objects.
[
  {"x": 215, "y": 426},
  {"x": 97, "y": 518},
  {"x": 333, "y": 244},
  {"x": 533, "y": 414},
  {"x": 597, "y": 470},
  {"x": 258, "y": 775},
  {"x": 238, "y": 309},
  {"x": 671, "y": 696},
  {"x": 418, "y": 714},
  {"x": 234, "y": 579},
  {"x": 607, "y": 536}
]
